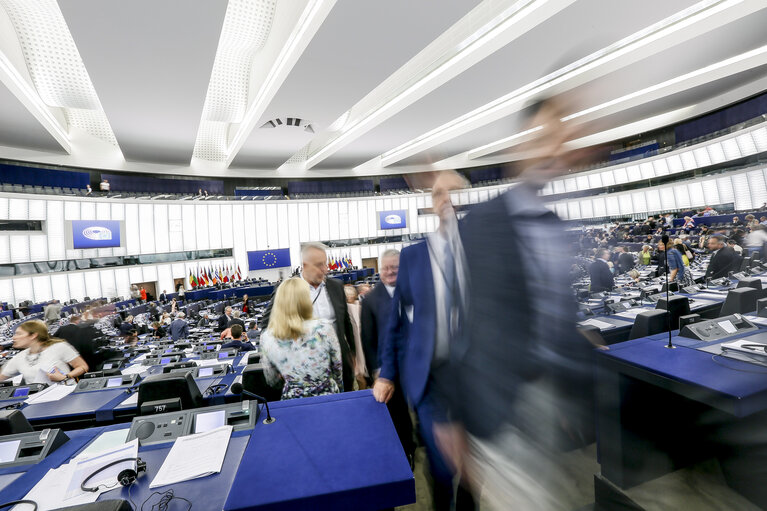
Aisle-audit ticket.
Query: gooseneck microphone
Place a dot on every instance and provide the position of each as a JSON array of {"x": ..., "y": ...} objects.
[
  {"x": 238, "y": 389},
  {"x": 665, "y": 239}
]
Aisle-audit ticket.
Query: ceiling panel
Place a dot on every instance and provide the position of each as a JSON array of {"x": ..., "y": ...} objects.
[
  {"x": 358, "y": 46},
  {"x": 19, "y": 128},
  {"x": 150, "y": 63}
]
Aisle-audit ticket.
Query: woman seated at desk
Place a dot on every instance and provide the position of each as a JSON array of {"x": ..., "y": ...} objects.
[
  {"x": 304, "y": 351},
  {"x": 236, "y": 339},
  {"x": 43, "y": 359}
]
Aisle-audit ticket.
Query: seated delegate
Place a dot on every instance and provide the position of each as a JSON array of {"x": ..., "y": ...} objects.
[
  {"x": 303, "y": 350},
  {"x": 43, "y": 359},
  {"x": 236, "y": 339}
]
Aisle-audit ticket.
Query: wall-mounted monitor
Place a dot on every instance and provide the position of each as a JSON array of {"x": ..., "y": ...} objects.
[
  {"x": 87, "y": 234},
  {"x": 393, "y": 219}
]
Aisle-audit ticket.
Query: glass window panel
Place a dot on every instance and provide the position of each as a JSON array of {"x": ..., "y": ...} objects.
[
  {"x": 757, "y": 187},
  {"x": 600, "y": 208},
  {"x": 640, "y": 204},
  {"x": 621, "y": 176},
  {"x": 726, "y": 192},
  {"x": 682, "y": 195},
  {"x": 559, "y": 186},
  {"x": 731, "y": 149},
  {"x": 608, "y": 178},
  {"x": 595, "y": 180},
  {"x": 667, "y": 200},
  {"x": 701, "y": 157},
  {"x": 633, "y": 173},
  {"x": 626, "y": 207},
  {"x": 674, "y": 164},
  {"x": 586, "y": 209},
  {"x": 696, "y": 194},
  {"x": 716, "y": 152},
  {"x": 661, "y": 166},
  {"x": 710, "y": 192},
  {"x": 648, "y": 172},
  {"x": 613, "y": 208},
  {"x": 742, "y": 193},
  {"x": 573, "y": 210},
  {"x": 652, "y": 196},
  {"x": 583, "y": 182}
]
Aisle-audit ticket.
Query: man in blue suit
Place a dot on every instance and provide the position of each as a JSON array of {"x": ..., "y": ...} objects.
[
  {"x": 415, "y": 349},
  {"x": 179, "y": 329}
]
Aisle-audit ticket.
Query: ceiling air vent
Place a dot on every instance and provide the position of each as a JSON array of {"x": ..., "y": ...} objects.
[{"x": 291, "y": 122}]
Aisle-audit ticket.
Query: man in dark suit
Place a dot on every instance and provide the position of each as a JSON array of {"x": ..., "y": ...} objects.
[
  {"x": 375, "y": 312},
  {"x": 601, "y": 276},
  {"x": 519, "y": 386},
  {"x": 85, "y": 338},
  {"x": 179, "y": 329},
  {"x": 164, "y": 296},
  {"x": 328, "y": 301},
  {"x": 723, "y": 260},
  {"x": 236, "y": 320},
  {"x": 624, "y": 261},
  {"x": 416, "y": 345},
  {"x": 224, "y": 319}
]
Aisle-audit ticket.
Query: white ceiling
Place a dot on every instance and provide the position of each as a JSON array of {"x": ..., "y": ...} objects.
[{"x": 328, "y": 61}]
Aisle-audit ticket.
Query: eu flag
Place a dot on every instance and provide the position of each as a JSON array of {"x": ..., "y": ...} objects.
[{"x": 267, "y": 259}]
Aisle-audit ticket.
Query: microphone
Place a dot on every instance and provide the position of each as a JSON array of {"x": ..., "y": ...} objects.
[
  {"x": 238, "y": 389},
  {"x": 665, "y": 239}
]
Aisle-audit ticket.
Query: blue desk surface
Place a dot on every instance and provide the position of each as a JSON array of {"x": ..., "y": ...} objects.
[
  {"x": 742, "y": 385},
  {"x": 310, "y": 458}
]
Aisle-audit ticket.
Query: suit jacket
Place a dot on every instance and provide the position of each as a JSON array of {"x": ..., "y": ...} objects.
[
  {"x": 376, "y": 308},
  {"x": 343, "y": 327},
  {"x": 236, "y": 321},
  {"x": 722, "y": 263},
  {"x": 163, "y": 297},
  {"x": 625, "y": 262},
  {"x": 601, "y": 277},
  {"x": 408, "y": 346},
  {"x": 179, "y": 329},
  {"x": 85, "y": 339},
  {"x": 223, "y": 322}
]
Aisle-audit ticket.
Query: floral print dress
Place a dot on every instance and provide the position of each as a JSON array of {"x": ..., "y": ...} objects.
[{"x": 310, "y": 366}]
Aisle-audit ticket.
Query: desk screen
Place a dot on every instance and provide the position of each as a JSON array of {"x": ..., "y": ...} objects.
[
  {"x": 205, "y": 371},
  {"x": 107, "y": 366},
  {"x": 22, "y": 392},
  {"x": 393, "y": 219},
  {"x": 165, "y": 360},
  {"x": 206, "y": 421},
  {"x": 8, "y": 451},
  {"x": 114, "y": 382},
  {"x": 223, "y": 354}
]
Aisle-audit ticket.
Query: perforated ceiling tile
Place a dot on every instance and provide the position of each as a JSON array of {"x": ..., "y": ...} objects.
[
  {"x": 246, "y": 28},
  {"x": 57, "y": 71}
]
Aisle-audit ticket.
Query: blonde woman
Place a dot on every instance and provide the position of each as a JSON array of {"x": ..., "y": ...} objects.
[
  {"x": 303, "y": 350},
  {"x": 43, "y": 359}
]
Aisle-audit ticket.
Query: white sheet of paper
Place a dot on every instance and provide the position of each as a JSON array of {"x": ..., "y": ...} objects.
[
  {"x": 16, "y": 380},
  {"x": 194, "y": 456},
  {"x": 758, "y": 321},
  {"x": 8, "y": 450},
  {"x": 727, "y": 326},
  {"x": 633, "y": 313},
  {"x": 213, "y": 362},
  {"x": 131, "y": 400},
  {"x": 108, "y": 477},
  {"x": 104, "y": 442},
  {"x": 49, "y": 491},
  {"x": 599, "y": 324},
  {"x": 134, "y": 369},
  {"x": 51, "y": 394}
]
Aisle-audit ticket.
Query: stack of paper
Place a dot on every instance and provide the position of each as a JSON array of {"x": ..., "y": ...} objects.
[
  {"x": 602, "y": 325},
  {"x": 194, "y": 456},
  {"x": 51, "y": 394}
]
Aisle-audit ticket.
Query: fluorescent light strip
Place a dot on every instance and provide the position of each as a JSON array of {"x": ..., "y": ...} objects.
[
  {"x": 31, "y": 99},
  {"x": 468, "y": 47},
  {"x": 286, "y": 56},
  {"x": 517, "y": 98},
  {"x": 502, "y": 143}
]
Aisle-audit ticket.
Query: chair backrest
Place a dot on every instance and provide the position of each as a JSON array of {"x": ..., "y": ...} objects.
[
  {"x": 253, "y": 380},
  {"x": 649, "y": 323},
  {"x": 741, "y": 300},
  {"x": 750, "y": 282},
  {"x": 677, "y": 306}
]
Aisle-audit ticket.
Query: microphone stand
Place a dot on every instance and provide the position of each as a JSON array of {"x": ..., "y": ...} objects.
[{"x": 668, "y": 305}]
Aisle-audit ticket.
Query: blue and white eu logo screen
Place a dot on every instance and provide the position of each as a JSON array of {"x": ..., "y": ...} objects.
[
  {"x": 95, "y": 233},
  {"x": 393, "y": 219}
]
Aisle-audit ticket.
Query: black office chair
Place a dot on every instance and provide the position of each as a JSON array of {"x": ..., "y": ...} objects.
[
  {"x": 649, "y": 323},
  {"x": 741, "y": 300},
  {"x": 750, "y": 282},
  {"x": 253, "y": 380},
  {"x": 677, "y": 306}
]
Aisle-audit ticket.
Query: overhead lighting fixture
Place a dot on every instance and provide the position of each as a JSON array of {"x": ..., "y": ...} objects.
[
  {"x": 295, "y": 45},
  {"x": 556, "y": 81},
  {"x": 465, "y": 49}
]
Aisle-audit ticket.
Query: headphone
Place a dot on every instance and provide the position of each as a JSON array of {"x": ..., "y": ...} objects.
[{"x": 126, "y": 477}]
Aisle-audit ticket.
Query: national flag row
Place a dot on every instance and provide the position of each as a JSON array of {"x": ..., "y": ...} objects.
[
  {"x": 338, "y": 263},
  {"x": 214, "y": 275}
]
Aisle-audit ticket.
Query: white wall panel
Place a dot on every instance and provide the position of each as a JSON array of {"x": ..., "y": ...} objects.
[
  {"x": 667, "y": 200},
  {"x": 92, "y": 284},
  {"x": 37, "y": 209},
  {"x": 573, "y": 210},
  {"x": 608, "y": 178},
  {"x": 161, "y": 232},
  {"x": 353, "y": 216},
  {"x": 746, "y": 144},
  {"x": 697, "y": 197},
  {"x": 262, "y": 239},
  {"x": 653, "y": 200},
  {"x": 19, "y": 248},
  {"x": 343, "y": 219},
  {"x": 682, "y": 196},
  {"x": 333, "y": 223},
  {"x": 60, "y": 286},
  {"x": 136, "y": 275},
  {"x": 581, "y": 181},
  {"x": 77, "y": 285},
  {"x": 42, "y": 289},
  {"x": 272, "y": 228},
  {"x": 324, "y": 221},
  {"x": 5, "y": 249},
  {"x": 146, "y": 228},
  {"x": 6, "y": 291},
  {"x": 108, "y": 284},
  {"x": 178, "y": 270},
  {"x": 621, "y": 176},
  {"x": 175, "y": 228},
  {"x": 282, "y": 226},
  {"x": 760, "y": 139},
  {"x": 88, "y": 210},
  {"x": 249, "y": 226},
  {"x": 3, "y": 208},
  {"x": 742, "y": 193},
  {"x": 661, "y": 167},
  {"x": 201, "y": 226},
  {"x": 132, "y": 230},
  {"x": 595, "y": 181},
  {"x": 562, "y": 210},
  {"x": 688, "y": 160},
  {"x": 227, "y": 229},
  {"x": 726, "y": 191},
  {"x": 731, "y": 149},
  {"x": 634, "y": 173},
  {"x": 647, "y": 170},
  {"x": 189, "y": 226},
  {"x": 295, "y": 250},
  {"x": 674, "y": 164},
  {"x": 55, "y": 230},
  {"x": 600, "y": 208},
  {"x": 716, "y": 153},
  {"x": 22, "y": 289},
  {"x": 164, "y": 278},
  {"x": 122, "y": 282},
  {"x": 702, "y": 157},
  {"x": 18, "y": 209},
  {"x": 639, "y": 202},
  {"x": 38, "y": 247},
  {"x": 757, "y": 188},
  {"x": 149, "y": 272},
  {"x": 626, "y": 207},
  {"x": 559, "y": 186},
  {"x": 362, "y": 218},
  {"x": 710, "y": 192},
  {"x": 571, "y": 185}
]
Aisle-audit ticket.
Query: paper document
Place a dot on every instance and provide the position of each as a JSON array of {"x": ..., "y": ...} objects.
[
  {"x": 599, "y": 324},
  {"x": 131, "y": 400},
  {"x": 135, "y": 369},
  {"x": 108, "y": 477},
  {"x": 49, "y": 491},
  {"x": 51, "y": 394},
  {"x": 758, "y": 321},
  {"x": 194, "y": 456},
  {"x": 633, "y": 313},
  {"x": 213, "y": 362},
  {"x": 17, "y": 379}
]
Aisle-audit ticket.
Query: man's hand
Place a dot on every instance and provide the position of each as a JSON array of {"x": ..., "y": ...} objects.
[{"x": 383, "y": 390}]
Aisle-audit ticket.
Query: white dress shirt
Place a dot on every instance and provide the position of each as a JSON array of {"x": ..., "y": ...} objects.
[
  {"x": 390, "y": 290},
  {"x": 321, "y": 305}
]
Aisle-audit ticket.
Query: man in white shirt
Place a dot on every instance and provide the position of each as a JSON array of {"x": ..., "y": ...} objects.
[{"x": 328, "y": 302}]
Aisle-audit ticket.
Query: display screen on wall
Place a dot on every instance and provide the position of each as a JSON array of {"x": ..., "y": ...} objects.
[
  {"x": 393, "y": 219},
  {"x": 96, "y": 234},
  {"x": 267, "y": 259}
]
